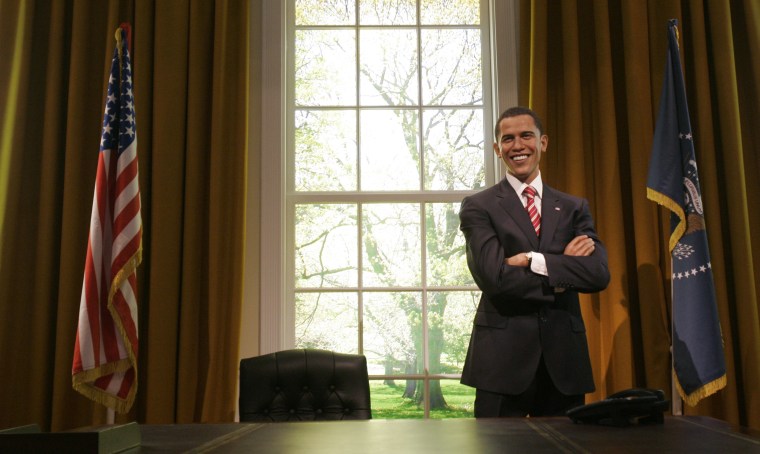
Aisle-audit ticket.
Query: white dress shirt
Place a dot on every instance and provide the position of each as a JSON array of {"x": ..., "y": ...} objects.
[{"x": 538, "y": 262}]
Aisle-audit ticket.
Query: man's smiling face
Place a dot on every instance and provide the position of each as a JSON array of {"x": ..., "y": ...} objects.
[{"x": 520, "y": 146}]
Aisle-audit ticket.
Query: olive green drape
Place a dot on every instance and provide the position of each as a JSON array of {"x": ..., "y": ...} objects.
[
  {"x": 594, "y": 70},
  {"x": 190, "y": 73}
]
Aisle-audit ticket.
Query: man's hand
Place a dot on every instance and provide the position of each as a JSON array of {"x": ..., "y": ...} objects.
[
  {"x": 580, "y": 246},
  {"x": 520, "y": 259}
]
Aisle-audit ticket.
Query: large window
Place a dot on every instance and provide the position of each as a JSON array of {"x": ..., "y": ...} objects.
[{"x": 388, "y": 124}]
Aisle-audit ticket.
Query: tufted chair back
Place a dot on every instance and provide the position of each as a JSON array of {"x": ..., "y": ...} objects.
[{"x": 304, "y": 385}]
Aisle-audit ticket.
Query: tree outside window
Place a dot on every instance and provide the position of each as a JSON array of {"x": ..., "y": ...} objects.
[{"x": 387, "y": 135}]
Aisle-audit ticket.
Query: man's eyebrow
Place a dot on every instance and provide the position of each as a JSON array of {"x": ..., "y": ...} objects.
[{"x": 526, "y": 132}]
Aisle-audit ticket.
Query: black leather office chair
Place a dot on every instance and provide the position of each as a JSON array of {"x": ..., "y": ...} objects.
[{"x": 304, "y": 385}]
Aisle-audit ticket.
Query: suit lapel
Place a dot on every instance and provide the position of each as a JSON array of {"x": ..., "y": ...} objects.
[{"x": 511, "y": 203}]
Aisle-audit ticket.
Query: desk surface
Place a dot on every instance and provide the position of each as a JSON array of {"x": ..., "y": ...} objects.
[{"x": 688, "y": 434}]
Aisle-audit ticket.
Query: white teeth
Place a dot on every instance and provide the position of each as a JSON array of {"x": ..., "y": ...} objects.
[{"x": 520, "y": 158}]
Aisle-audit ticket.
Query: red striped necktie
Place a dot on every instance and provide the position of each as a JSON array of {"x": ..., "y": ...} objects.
[{"x": 535, "y": 218}]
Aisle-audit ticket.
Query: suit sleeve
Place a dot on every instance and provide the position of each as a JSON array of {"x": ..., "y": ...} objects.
[
  {"x": 485, "y": 259},
  {"x": 582, "y": 274}
]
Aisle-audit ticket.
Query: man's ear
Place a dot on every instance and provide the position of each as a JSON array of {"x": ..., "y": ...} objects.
[
  {"x": 497, "y": 149},
  {"x": 544, "y": 142}
]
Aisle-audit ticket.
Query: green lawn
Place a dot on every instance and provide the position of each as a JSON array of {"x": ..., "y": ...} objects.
[{"x": 387, "y": 402}]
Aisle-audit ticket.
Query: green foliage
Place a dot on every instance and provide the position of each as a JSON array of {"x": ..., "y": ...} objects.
[{"x": 388, "y": 403}]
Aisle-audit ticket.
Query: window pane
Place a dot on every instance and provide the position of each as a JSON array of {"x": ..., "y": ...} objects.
[
  {"x": 324, "y": 68},
  {"x": 446, "y": 260},
  {"x": 451, "y": 69},
  {"x": 391, "y": 240},
  {"x": 389, "y": 148},
  {"x": 460, "y": 400},
  {"x": 389, "y": 399},
  {"x": 327, "y": 321},
  {"x": 389, "y": 67},
  {"x": 325, "y": 246},
  {"x": 450, "y": 12},
  {"x": 450, "y": 317},
  {"x": 325, "y": 146},
  {"x": 325, "y": 12},
  {"x": 392, "y": 332},
  {"x": 454, "y": 149},
  {"x": 387, "y": 12}
]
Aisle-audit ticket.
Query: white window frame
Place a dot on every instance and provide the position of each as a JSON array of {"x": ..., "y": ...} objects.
[{"x": 276, "y": 311}]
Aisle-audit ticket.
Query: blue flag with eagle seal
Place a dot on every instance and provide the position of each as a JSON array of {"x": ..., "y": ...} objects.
[{"x": 698, "y": 358}]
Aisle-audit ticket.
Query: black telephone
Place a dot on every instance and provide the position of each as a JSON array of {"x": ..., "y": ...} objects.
[{"x": 635, "y": 405}]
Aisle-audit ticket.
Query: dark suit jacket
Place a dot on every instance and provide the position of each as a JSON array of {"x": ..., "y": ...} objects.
[{"x": 523, "y": 315}]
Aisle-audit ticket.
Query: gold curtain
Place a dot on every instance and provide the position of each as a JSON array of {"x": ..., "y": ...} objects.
[
  {"x": 190, "y": 72},
  {"x": 593, "y": 70}
]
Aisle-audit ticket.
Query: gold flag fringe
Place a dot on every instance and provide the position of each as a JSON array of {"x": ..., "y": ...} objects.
[
  {"x": 82, "y": 381},
  {"x": 673, "y": 206},
  {"x": 700, "y": 393}
]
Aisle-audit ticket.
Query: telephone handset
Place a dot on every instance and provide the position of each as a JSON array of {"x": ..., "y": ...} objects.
[{"x": 635, "y": 405}]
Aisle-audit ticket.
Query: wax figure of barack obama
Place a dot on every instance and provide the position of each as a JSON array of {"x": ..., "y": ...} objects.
[{"x": 528, "y": 354}]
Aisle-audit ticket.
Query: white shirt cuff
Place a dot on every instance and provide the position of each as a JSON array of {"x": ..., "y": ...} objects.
[{"x": 538, "y": 264}]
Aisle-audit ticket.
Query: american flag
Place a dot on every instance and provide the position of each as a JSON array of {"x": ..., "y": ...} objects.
[{"x": 105, "y": 354}]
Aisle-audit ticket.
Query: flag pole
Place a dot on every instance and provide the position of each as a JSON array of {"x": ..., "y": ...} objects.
[{"x": 676, "y": 403}]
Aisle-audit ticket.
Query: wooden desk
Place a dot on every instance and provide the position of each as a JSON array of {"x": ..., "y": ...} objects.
[{"x": 687, "y": 434}]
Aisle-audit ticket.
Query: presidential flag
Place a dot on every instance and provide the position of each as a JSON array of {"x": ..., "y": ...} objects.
[
  {"x": 105, "y": 354},
  {"x": 698, "y": 358}
]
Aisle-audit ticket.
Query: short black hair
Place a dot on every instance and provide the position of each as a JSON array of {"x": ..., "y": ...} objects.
[{"x": 516, "y": 111}]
